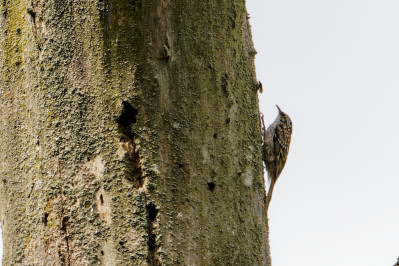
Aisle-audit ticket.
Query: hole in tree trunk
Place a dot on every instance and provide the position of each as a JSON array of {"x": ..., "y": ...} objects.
[
  {"x": 64, "y": 223},
  {"x": 211, "y": 186},
  {"x": 152, "y": 212},
  {"x": 127, "y": 117},
  {"x": 101, "y": 199},
  {"x": 45, "y": 216}
]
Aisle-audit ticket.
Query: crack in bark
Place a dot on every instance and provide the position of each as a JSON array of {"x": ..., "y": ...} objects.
[
  {"x": 45, "y": 218},
  {"x": 152, "y": 258},
  {"x": 64, "y": 222},
  {"x": 32, "y": 14},
  {"x": 35, "y": 12},
  {"x": 64, "y": 229}
]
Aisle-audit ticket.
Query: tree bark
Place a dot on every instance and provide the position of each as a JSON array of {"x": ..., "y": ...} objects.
[{"x": 130, "y": 134}]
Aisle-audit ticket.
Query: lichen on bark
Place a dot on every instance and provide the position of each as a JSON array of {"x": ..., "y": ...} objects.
[{"x": 130, "y": 134}]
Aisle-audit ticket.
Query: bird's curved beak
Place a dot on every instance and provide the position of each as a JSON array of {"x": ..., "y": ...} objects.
[{"x": 279, "y": 110}]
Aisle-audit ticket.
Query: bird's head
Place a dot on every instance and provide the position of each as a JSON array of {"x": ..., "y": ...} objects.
[{"x": 284, "y": 118}]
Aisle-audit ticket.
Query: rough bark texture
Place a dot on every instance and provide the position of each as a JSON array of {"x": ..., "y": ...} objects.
[{"x": 130, "y": 134}]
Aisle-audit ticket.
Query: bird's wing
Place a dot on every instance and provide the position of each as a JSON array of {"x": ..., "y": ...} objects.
[
  {"x": 276, "y": 152},
  {"x": 280, "y": 149}
]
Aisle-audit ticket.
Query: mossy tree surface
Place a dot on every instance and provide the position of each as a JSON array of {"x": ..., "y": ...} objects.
[{"x": 130, "y": 134}]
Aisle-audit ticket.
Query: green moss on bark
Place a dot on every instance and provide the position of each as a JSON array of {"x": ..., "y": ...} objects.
[{"x": 83, "y": 185}]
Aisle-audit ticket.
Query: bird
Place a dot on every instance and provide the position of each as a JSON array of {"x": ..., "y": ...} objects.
[{"x": 276, "y": 144}]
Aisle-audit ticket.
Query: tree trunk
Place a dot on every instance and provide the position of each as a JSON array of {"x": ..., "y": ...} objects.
[{"x": 130, "y": 134}]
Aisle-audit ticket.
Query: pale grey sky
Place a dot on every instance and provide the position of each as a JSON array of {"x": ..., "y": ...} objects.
[{"x": 333, "y": 66}]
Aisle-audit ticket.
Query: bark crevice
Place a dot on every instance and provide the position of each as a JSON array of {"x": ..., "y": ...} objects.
[
  {"x": 65, "y": 258},
  {"x": 152, "y": 213}
]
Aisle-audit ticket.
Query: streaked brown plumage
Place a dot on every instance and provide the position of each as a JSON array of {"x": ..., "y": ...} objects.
[{"x": 276, "y": 144}]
